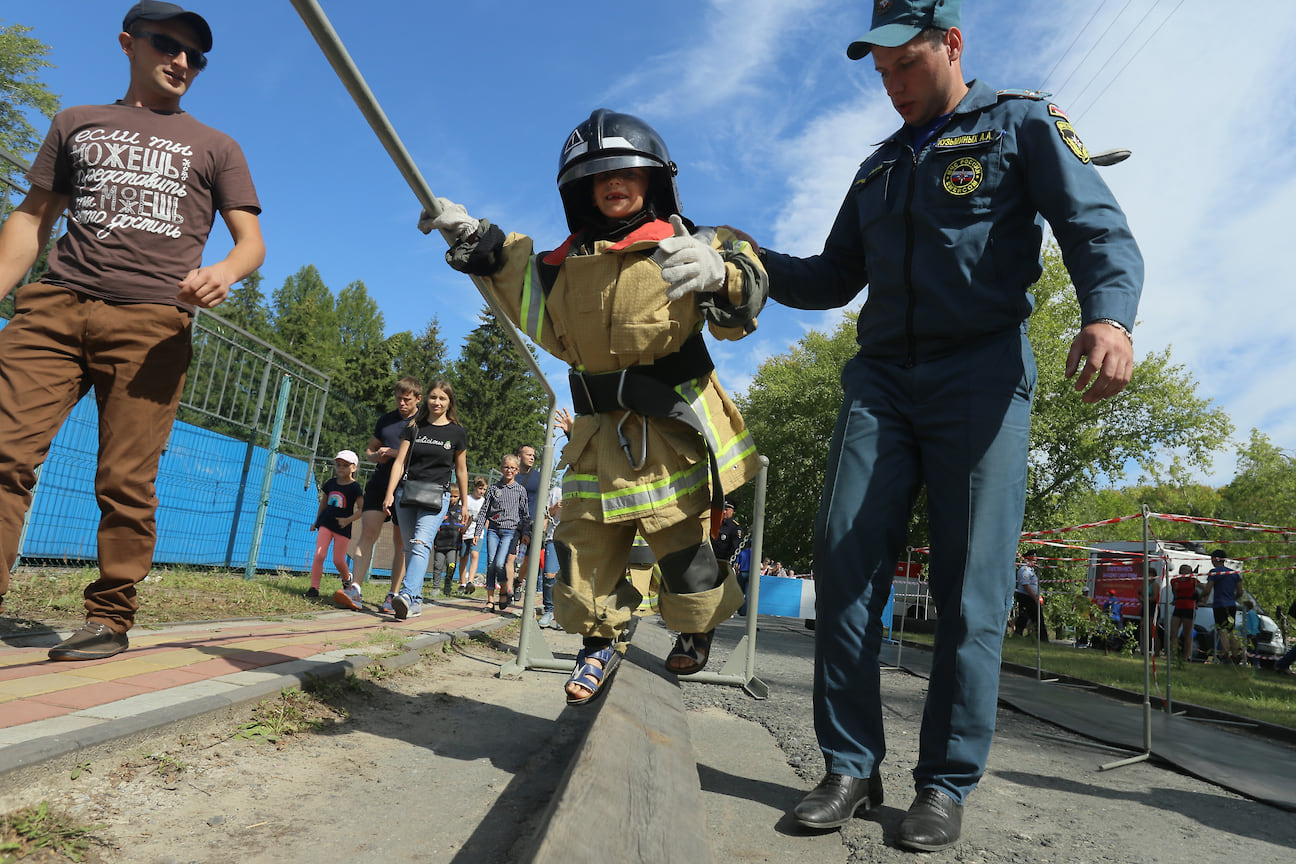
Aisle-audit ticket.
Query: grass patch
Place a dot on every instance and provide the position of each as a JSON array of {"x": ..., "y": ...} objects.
[
  {"x": 1242, "y": 690},
  {"x": 41, "y": 598},
  {"x": 295, "y": 712},
  {"x": 39, "y": 831},
  {"x": 167, "y": 765}
]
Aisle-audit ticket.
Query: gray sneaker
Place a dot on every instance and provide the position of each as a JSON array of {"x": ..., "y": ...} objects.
[
  {"x": 94, "y": 641},
  {"x": 546, "y": 620},
  {"x": 405, "y": 607}
]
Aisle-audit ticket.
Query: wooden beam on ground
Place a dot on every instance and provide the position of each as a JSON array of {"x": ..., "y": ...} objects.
[{"x": 632, "y": 793}]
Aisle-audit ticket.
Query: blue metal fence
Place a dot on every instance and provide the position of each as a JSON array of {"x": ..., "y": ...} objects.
[{"x": 208, "y": 500}]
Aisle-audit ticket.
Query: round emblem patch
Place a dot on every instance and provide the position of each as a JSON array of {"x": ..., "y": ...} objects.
[{"x": 963, "y": 176}]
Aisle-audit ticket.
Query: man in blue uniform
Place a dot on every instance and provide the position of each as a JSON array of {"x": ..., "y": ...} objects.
[{"x": 941, "y": 223}]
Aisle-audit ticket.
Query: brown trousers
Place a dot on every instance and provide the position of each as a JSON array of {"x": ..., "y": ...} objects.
[{"x": 58, "y": 346}]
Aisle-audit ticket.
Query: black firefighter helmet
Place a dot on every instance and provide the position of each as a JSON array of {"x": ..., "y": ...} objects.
[{"x": 605, "y": 142}]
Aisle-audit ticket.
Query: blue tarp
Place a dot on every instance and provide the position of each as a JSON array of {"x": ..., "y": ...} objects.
[{"x": 208, "y": 500}]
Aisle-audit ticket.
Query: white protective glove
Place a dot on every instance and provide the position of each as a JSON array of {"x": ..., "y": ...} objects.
[
  {"x": 453, "y": 219},
  {"x": 691, "y": 264}
]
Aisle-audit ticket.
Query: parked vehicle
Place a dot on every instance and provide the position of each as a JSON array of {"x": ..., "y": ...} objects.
[
  {"x": 912, "y": 594},
  {"x": 1118, "y": 566}
]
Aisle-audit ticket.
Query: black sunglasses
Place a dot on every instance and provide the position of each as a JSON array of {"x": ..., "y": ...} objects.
[{"x": 164, "y": 44}]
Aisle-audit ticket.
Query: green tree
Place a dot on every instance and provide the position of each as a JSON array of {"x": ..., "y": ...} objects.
[
  {"x": 360, "y": 387},
  {"x": 1263, "y": 491},
  {"x": 501, "y": 404},
  {"x": 22, "y": 57},
  {"x": 1076, "y": 446},
  {"x": 423, "y": 357},
  {"x": 246, "y": 307},
  {"x": 305, "y": 320}
]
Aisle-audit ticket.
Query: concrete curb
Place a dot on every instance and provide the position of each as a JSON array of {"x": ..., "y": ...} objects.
[{"x": 140, "y": 715}]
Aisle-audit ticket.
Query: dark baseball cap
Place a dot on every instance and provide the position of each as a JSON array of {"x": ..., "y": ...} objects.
[
  {"x": 895, "y": 22},
  {"x": 152, "y": 10}
]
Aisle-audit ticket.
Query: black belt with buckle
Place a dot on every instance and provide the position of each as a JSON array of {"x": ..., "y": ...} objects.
[{"x": 649, "y": 390}]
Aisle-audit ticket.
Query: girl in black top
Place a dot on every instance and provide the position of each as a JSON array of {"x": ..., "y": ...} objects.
[{"x": 433, "y": 448}]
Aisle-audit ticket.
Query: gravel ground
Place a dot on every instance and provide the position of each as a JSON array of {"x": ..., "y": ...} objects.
[{"x": 1043, "y": 798}]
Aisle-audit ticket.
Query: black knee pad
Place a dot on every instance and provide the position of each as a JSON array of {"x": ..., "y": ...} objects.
[
  {"x": 691, "y": 571},
  {"x": 564, "y": 562}
]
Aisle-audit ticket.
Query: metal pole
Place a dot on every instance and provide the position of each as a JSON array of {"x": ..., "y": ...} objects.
[
  {"x": 26, "y": 523},
  {"x": 533, "y": 652},
  {"x": 908, "y": 560},
  {"x": 326, "y": 37},
  {"x": 1167, "y": 624},
  {"x": 899, "y": 642},
  {"x": 1147, "y": 669},
  {"x": 1147, "y": 642},
  {"x": 329, "y": 42},
  {"x": 1039, "y": 632},
  {"x": 247, "y": 464},
  {"x": 740, "y": 668},
  {"x": 267, "y": 476},
  {"x": 1039, "y": 628}
]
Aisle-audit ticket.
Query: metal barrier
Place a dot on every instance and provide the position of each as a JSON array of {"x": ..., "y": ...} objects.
[{"x": 233, "y": 374}]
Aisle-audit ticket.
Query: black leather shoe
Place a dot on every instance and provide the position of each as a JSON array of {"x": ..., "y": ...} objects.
[
  {"x": 94, "y": 641},
  {"x": 835, "y": 800},
  {"x": 933, "y": 822}
]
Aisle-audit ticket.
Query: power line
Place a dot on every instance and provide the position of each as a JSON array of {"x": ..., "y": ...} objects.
[
  {"x": 1130, "y": 60},
  {"x": 1093, "y": 79},
  {"x": 1096, "y": 43},
  {"x": 1064, "y": 54}
]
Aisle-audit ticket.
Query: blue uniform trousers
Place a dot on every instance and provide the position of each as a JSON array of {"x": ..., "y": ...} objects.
[{"x": 960, "y": 425}]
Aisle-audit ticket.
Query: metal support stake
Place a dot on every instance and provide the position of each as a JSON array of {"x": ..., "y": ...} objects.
[
  {"x": 533, "y": 652},
  {"x": 1167, "y": 623},
  {"x": 740, "y": 668},
  {"x": 248, "y": 451},
  {"x": 267, "y": 476},
  {"x": 899, "y": 643},
  {"x": 329, "y": 42},
  {"x": 1039, "y": 638},
  {"x": 1147, "y": 666}
]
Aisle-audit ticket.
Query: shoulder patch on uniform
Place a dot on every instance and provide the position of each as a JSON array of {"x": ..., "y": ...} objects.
[
  {"x": 1023, "y": 94},
  {"x": 1072, "y": 140},
  {"x": 870, "y": 175},
  {"x": 1057, "y": 112}
]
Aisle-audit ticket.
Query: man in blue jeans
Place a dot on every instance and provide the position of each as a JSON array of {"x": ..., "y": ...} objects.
[{"x": 941, "y": 223}]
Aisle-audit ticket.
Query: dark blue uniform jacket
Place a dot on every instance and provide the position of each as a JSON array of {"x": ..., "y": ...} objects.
[{"x": 948, "y": 239}]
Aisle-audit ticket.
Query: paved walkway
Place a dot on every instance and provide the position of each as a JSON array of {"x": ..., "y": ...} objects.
[{"x": 177, "y": 671}]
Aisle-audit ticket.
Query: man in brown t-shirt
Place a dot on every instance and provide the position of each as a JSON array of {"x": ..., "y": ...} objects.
[{"x": 141, "y": 182}]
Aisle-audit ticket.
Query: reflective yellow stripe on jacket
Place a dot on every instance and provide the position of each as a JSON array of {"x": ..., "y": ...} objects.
[
  {"x": 533, "y": 302},
  {"x": 727, "y": 453}
]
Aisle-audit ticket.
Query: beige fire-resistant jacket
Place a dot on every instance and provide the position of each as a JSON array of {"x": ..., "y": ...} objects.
[{"x": 605, "y": 310}]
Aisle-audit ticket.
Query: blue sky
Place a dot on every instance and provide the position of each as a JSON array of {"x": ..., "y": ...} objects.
[{"x": 767, "y": 119}]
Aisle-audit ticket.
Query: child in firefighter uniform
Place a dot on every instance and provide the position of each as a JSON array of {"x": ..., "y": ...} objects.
[{"x": 656, "y": 443}]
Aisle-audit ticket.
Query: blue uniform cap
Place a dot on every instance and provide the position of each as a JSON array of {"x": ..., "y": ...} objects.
[{"x": 895, "y": 22}]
